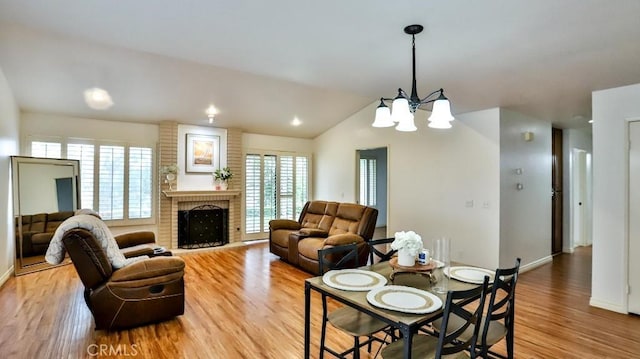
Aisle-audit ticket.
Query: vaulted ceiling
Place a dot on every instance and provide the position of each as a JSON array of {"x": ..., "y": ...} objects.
[{"x": 262, "y": 63}]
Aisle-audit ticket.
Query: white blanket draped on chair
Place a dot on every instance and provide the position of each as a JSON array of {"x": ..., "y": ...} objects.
[{"x": 56, "y": 251}]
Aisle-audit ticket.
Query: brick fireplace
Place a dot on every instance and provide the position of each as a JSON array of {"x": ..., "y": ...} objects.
[
  {"x": 186, "y": 200},
  {"x": 173, "y": 201}
]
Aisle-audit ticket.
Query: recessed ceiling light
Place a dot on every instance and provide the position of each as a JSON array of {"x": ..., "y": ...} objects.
[
  {"x": 591, "y": 121},
  {"x": 296, "y": 122},
  {"x": 211, "y": 111},
  {"x": 97, "y": 98}
]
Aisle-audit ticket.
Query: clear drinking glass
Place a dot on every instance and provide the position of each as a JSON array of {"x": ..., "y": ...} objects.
[{"x": 441, "y": 253}]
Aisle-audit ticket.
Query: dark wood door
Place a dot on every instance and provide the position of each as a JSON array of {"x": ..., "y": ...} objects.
[{"x": 556, "y": 196}]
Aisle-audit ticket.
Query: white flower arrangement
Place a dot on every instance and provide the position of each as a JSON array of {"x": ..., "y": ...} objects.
[
  {"x": 410, "y": 241},
  {"x": 223, "y": 174}
]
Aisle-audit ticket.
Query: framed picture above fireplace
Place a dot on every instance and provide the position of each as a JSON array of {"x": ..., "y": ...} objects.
[{"x": 203, "y": 153}]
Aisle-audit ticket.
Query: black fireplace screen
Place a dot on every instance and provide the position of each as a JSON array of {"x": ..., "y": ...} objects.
[{"x": 203, "y": 226}]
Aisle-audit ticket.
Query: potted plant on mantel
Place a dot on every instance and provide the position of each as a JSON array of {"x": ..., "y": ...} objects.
[{"x": 221, "y": 178}]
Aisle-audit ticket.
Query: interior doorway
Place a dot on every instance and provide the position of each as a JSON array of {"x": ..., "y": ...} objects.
[
  {"x": 580, "y": 198},
  {"x": 633, "y": 269},
  {"x": 371, "y": 184},
  {"x": 556, "y": 191}
]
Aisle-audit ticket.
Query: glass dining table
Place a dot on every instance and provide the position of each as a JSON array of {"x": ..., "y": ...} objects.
[{"x": 407, "y": 323}]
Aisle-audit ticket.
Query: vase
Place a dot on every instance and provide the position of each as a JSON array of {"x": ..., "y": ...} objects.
[
  {"x": 405, "y": 258},
  {"x": 220, "y": 185},
  {"x": 441, "y": 254},
  {"x": 170, "y": 179}
]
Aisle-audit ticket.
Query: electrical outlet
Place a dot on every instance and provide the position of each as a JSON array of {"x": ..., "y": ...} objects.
[{"x": 469, "y": 203}]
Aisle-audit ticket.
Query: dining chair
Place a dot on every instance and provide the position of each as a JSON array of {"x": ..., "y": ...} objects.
[
  {"x": 380, "y": 255},
  {"x": 498, "y": 323},
  {"x": 450, "y": 343},
  {"x": 346, "y": 319}
]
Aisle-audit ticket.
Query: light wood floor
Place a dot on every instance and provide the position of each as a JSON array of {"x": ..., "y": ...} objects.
[{"x": 245, "y": 303}]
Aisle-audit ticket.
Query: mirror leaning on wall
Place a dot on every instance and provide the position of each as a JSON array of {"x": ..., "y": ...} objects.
[{"x": 45, "y": 192}]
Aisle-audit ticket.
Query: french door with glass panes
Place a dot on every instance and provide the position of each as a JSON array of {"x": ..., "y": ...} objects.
[{"x": 276, "y": 186}]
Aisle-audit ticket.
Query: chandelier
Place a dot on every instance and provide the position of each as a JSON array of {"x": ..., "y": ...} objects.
[{"x": 403, "y": 107}]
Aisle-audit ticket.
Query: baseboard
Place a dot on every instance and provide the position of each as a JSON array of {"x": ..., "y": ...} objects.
[
  {"x": 608, "y": 306},
  {"x": 535, "y": 264},
  {"x": 5, "y": 277}
]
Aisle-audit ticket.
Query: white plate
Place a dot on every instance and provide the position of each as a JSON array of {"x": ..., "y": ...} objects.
[
  {"x": 353, "y": 279},
  {"x": 404, "y": 299},
  {"x": 473, "y": 275}
]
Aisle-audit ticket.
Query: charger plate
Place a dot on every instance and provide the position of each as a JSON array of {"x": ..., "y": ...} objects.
[
  {"x": 404, "y": 299},
  {"x": 353, "y": 279},
  {"x": 473, "y": 275}
]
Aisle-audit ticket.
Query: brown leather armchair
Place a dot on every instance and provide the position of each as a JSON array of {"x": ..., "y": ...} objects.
[
  {"x": 147, "y": 291},
  {"x": 136, "y": 244},
  {"x": 322, "y": 225}
]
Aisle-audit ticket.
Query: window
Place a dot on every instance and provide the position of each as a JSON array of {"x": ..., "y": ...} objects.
[
  {"x": 276, "y": 186},
  {"x": 115, "y": 180},
  {"x": 111, "y": 182},
  {"x": 84, "y": 153},
  {"x": 46, "y": 149},
  {"x": 368, "y": 181},
  {"x": 140, "y": 182}
]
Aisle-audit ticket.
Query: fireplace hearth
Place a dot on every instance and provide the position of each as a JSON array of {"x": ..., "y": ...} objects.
[{"x": 203, "y": 226}]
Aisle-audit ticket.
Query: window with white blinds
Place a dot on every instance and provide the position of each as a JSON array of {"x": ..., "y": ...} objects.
[
  {"x": 46, "y": 149},
  {"x": 286, "y": 187},
  {"x": 276, "y": 186},
  {"x": 252, "y": 187},
  {"x": 84, "y": 153},
  {"x": 115, "y": 180},
  {"x": 111, "y": 182},
  {"x": 270, "y": 190},
  {"x": 368, "y": 181},
  {"x": 302, "y": 183},
  {"x": 140, "y": 182}
]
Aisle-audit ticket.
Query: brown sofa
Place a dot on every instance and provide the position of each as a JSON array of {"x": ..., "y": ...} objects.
[
  {"x": 147, "y": 291},
  {"x": 37, "y": 231},
  {"x": 321, "y": 225}
]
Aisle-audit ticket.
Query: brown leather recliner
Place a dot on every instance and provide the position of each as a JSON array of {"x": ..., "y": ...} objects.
[
  {"x": 136, "y": 244},
  {"x": 321, "y": 225},
  {"x": 314, "y": 215},
  {"x": 147, "y": 291}
]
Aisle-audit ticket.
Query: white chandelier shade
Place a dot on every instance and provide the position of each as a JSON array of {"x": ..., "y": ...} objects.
[
  {"x": 441, "y": 115},
  {"x": 383, "y": 116}
]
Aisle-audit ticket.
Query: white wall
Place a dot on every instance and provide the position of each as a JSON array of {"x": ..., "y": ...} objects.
[
  {"x": 525, "y": 215},
  {"x": 39, "y": 124},
  {"x": 198, "y": 181},
  {"x": 252, "y": 141},
  {"x": 612, "y": 110},
  {"x": 9, "y": 140},
  {"x": 432, "y": 176}
]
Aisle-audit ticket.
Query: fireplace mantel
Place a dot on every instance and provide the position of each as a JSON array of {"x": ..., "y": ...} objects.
[{"x": 207, "y": 194}]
